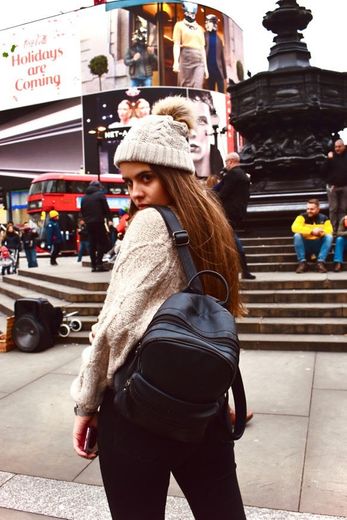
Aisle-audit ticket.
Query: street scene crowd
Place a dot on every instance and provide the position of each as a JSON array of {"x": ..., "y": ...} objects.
[{"x": 315, "y": 233}]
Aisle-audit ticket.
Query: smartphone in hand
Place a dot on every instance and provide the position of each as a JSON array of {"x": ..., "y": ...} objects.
[{"x": 90, "y": 445}]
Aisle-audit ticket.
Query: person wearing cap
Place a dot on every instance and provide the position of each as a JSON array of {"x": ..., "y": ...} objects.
[
  {"x": 54, "y": 237},
  {"x": 141, "y": 60},
  {"x": 95, "y": 210},
  {"x": 155, "y": 162},
  {"x": 217, "y": 71}
]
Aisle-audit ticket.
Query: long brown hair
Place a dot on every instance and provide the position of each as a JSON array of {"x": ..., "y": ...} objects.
[{"x": 211, "y": 237}]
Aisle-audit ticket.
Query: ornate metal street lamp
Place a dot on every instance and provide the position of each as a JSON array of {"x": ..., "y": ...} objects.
[{"x": 99, "y": 133}]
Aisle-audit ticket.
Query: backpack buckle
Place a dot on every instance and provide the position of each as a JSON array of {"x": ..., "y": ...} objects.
[{"x": 180, "y": 238}]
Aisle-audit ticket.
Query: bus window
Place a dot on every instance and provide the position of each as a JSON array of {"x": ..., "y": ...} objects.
[
  {"x": 54, "y": 186},
  {"x": 116, "y": 188},
  {"x": 36, "y": 187},
  {"x": 76, "y": 187}
]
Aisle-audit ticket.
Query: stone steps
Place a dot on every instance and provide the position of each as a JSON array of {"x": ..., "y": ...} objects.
[
  {"x": 286, "y": 311},
  {"x": 295, "y": 296},
  {"x": 309, "y": 342},
  {"x": 287, "y": 325},
  {"x": 267, "y": 241},
  {"x": 310, "y": 281},
  {"x": 275, "y": 254},
  {"x": 284, "y": 267},
  {"x": 11, "y": 292},
  {"x": 80, "y": 338},
  {"x": 278, "y": 258},
  {"x": 297, "y": 310},
  {"x": 262, "y": 249},
  {"x": 90, "y": 285},
  {"x": 56, "y": 290},
  {"x": 274, "y": 249},
  {"x": 8, "y": 297}
]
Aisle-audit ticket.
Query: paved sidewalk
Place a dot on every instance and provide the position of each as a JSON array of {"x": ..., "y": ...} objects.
[{"x": 291, "y": 460}]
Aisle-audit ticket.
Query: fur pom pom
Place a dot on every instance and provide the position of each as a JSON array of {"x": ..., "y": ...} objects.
[{"x": 179, "y": 108}]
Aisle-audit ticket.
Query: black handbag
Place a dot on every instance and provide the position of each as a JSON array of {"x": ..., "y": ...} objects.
[{"x": 176, "y": 380}]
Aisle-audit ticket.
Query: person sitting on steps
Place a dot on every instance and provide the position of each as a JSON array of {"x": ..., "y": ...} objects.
[
  {"x": 312, "y": 235},
  {"x": 340, "y": 245}
]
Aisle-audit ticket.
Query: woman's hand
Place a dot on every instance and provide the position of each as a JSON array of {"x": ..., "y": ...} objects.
[
  {"x": 92, "y": 333},
  {"x": 79, "y": 434}
]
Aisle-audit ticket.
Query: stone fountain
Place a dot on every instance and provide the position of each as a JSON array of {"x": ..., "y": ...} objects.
[{"x": 289, "y": 117}]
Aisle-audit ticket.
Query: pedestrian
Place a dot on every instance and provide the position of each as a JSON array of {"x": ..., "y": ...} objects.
[
  {"x": 313, "y": 235},
  {"x": 122, "y": 224},
  {"x": 95, "y": 210},
  {"x": 136, "y": 464},
  {"x": 336, "y": 170},
  {"x": 233, "y": 192},
  {"x": 340, "y": 245},
  {"x": 6, "y": 261},
  {"x": 12, "y": 242},
  {"x": 112, "y": 232},
  {"x": 141, "y": 60},
  {"x": 54, "y": 237},
  {"x": 28, "y": 238},
  {"x": 83, "y": 239}
]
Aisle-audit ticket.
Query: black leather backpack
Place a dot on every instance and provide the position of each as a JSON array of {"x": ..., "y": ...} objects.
[{"x": 176, "y": 381}]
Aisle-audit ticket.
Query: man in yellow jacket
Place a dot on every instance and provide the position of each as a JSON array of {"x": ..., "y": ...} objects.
[{"x": 313, "y": 234}]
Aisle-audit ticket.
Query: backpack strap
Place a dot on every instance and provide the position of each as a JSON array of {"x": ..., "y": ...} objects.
[
  {"x": 240, "y": 406},
  {"x": 180, "y": 238}
]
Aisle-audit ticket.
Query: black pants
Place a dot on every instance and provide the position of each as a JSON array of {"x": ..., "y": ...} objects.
[
  {"x": 98, "y": 242},
  {"x": 242, "y": 256},
  {"x": 135, "y": 467},
  {"x": 55, "y": 250}
]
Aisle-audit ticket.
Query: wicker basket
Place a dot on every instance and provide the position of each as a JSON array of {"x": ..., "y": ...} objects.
[{"x": 6, "y": 341}]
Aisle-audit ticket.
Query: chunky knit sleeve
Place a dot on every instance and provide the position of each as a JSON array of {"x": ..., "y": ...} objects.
[{"x": 146, "y": 273}]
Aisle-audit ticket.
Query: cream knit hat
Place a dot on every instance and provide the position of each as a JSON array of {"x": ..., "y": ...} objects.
[{"x": 161, "y": 138}]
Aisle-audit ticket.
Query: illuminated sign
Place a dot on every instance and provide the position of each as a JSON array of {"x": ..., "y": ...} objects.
[{"x": 45, "y": 64}]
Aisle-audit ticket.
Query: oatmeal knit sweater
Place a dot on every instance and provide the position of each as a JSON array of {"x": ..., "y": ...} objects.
[{"x": 146, "y": 272}]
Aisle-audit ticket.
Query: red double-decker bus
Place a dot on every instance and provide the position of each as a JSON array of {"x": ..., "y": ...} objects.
[{"x": 63, "y": 192}]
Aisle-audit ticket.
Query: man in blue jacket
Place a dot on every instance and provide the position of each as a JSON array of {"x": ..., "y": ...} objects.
[
  {"x": 95, "y": 210},
  {"x": 54, "y": 237}
]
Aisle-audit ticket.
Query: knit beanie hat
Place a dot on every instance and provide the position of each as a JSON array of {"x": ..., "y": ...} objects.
[{"x": 161, "y": 138}]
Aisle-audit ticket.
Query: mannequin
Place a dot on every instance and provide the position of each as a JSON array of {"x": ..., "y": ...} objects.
[
  {"x": 189, "y": 49},
  {"x": 215, "y": 55}
]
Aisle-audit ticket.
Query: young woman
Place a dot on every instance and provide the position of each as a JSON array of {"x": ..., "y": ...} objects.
[{"x": 155, "y": 162}]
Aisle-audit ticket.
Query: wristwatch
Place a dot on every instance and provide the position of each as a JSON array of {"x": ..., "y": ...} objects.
[{"x": 82, "y": 413}]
